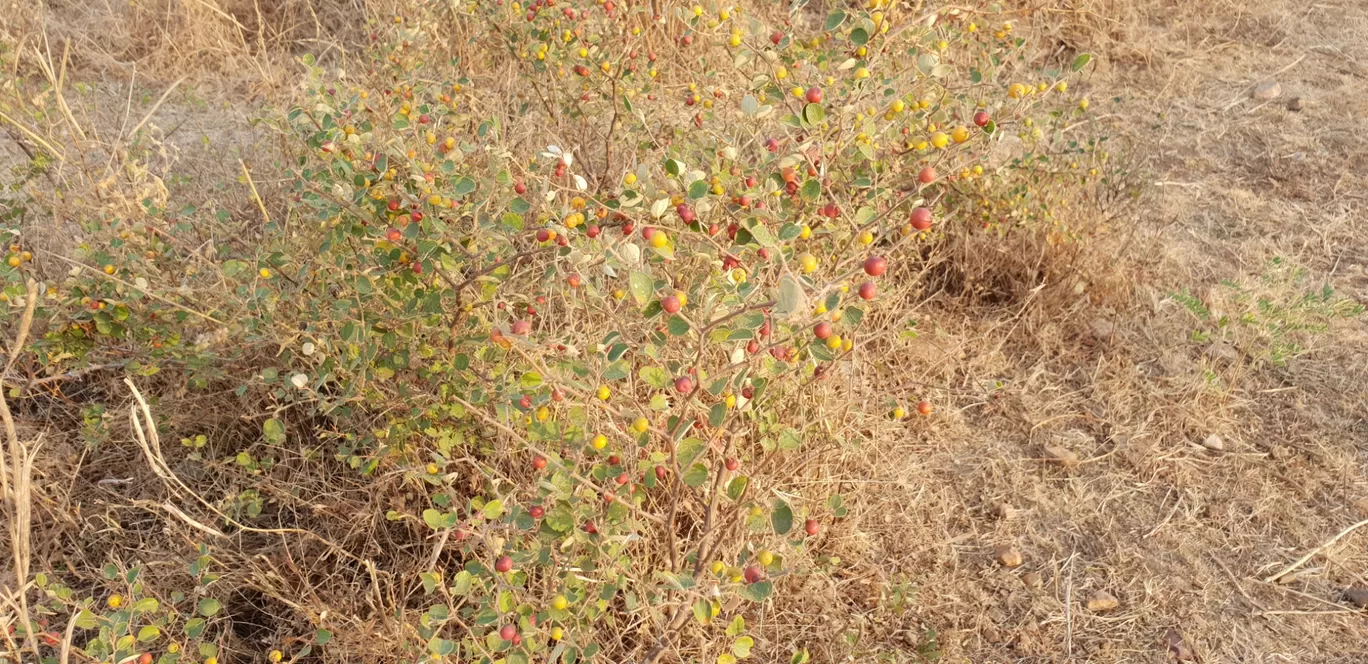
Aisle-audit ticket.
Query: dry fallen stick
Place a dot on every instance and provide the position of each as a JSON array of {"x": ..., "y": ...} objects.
[{"x": 1310, "y": 554}]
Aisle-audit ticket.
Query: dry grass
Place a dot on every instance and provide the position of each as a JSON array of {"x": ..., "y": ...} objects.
[{"x": 1090, "y": 354}]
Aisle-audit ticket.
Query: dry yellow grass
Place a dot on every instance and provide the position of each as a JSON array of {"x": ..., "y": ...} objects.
[{"x": 1094, "y": 357}]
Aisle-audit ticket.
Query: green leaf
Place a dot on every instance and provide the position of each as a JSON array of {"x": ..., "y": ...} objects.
[
  {"x": 209, "y": 606},
  {"x": 790, "y": 439},
  {"x": 149, "y": 633},
  {"x": 560, "y": 519},
  {"x": 835, "y": 19},
  {"x": 859, "y": 37},
  {"x": 194, "y": 627},
  {"x": 781, "y": 518},
  {"x": 678, "y": 326},
  {"x": 742, "y": 647},
  {"x": 322, "y": 637},
  {"x": 789, "y": 231},
  {"x": 716, "y": 415},
  {"x": 617, "y": 371},
  {"x": 655, "y": 377},
  {"x": 659, "y": 402},
  {"x": 702, "y": 611},
  {"x": 146, "y": 605},
  {"x": 463, "y": 187},
  {"x": 440, "y": 646},
  {"x": 813, "y": 114},
  {"x": 864, "y": 215},
  {"x": 460, "y": 584},
  {"x": 792, "y": 121},
  {"x": 758, "y": 592},
  {"x": 493, "y": 509},
  {"x": 674, "y": 167},
  {"x": 737, "y": 626},
  {"x": 791, "y": 296},
  {"x": 750, "y": 320},
  {"x": 519, "y": 205},
  {"x": 642, "y": 286},
  {"x": 430, "y": 580},
  {"x": 812, "y": 189},
  {"x": 696, "y": 475},
  {"x": 800, "y": 657},
  {"x": 87, "y": 620},
  {"x": 698, "y": 189},
  {"x": 530, "y": 380},
  {"x": 688, "y": 450},
  {"x": 853, "y": 316},
  {"x": 736, "y": 487},
  {"x": 726, "y": 658},
  {"x": 274, "y": 430},
  {"x": 1081, "y": 61}
]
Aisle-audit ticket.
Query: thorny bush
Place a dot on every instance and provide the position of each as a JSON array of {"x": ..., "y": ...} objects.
[{"x": 567, "y": 267}]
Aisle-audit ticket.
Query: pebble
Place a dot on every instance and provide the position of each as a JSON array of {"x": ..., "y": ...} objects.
[
  {"x": 1357, "y": 596},
  {"x": 1061, "y": 455},
  {"x": 1214, "y": 442},
  {"x": 1267, "y": 90},
  {"x": 1007, "y": 555},
  {"x": 1101, "y": 600}
]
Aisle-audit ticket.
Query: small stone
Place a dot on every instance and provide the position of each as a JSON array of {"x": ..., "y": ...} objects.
[
  {"x": 1101, "y": 600},
  {"x": 1005, "y": 511},
  {"x": 1357, "y": 596},
  {"x": 1214, "y": 442},
  {"x": 1102, "y": 329},
  {"x": 1061, "y": 455},
  {"x": 1294, "y": 104},
  {"x": 1267, "y": 90},
  {"x": 1032, "y": 580},
  {"x": 1007, "y": 555},
  {"x": 1177, "y": 647}
]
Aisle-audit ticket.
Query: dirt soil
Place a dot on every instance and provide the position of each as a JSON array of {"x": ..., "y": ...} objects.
[{"x": 1189, "y": 540}]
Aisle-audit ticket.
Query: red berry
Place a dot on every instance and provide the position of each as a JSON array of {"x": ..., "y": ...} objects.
[
  {"x": 776, "y": 37},
  {"x": 660, "y": 472},
  {"x": 822, "y": 330},
  {"x": 537, "y": 511},
  {"x": 670, "y": 304},
  {"x": 539, "y": 462},
  {"x": 575, "y": 280},
  {"x": 754, "y": 574},
  {"x": 507, "y": 632},
  {"x": 522, "y": 327},
  {"x": 145, "y": 658},
  {"x": 927, "y": 175},
  {"x": 875, "y": 266},
  {"x": 752, "y": 346},
  {"x": 627, "y": 228},
  {"x": 647, "y": 232},
  {"x": 503, "y": 564},
  {"x": 424, "y": 119},
  {"x": 393, "y": 235},
  {"x": 685, "y": 213},
  {"x": 593, "y": 231},
  {"x": 773, "y": 146},
  {"x": 924, "y": 407},
  {"x": 614, "y": 460},
  {"x": 921, "y": 218},
  {"x": 517, "y": 638},
  {"x": 813, "y": 95},
  {"x": 393, "y": 205},
  {"x": 811, "y": 526},
  {"x": 525, "y": 402},
  {"x": 520, "y": 187},
  {"x": 543, "y": 235},
  {"x": 868, "y": 290},
  {"x": 590, "y": 528},
  {"x": 684, "y": 385},
  {"x": 981, "y": 118},
  {"x": 622, "y": 479},
  {"x": 732, "y": 464}
]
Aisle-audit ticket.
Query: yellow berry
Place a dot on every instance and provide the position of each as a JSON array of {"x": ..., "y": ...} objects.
[
  {"x": 808, "y": 262},
  {"x": 559, "y": 602},
  {"x": 109, "y": 269},
  {"x": 640, "y": 425},
  {"x": 861, "y": 72},
  {"x": 718, "y": 567},
  {"x": 600, "y": 442},
  {"x": 806, "y": 232},
  {"x": 1083, "y": 104},
  {"x": 834, "y": 341},
  {"x": 765, "y": 558},
  {"x": 629, "y": 179},
  {"x": 899, "y": 413},
  {"x": 432, "y": 469},
  {"x": 781, "y": 73},
  {"x": 604, "y": 393},
  {"x": 898, "y": 106},
  {"x": 939, "y": 139},
  {"x": 1061, "y": 86},
  {"x": 866, "y": 238},
  {"x": 14, "y": 261},
  {"x": 959, "y": 134},
  {"x": 557, "y": 633},
  {"x": 114, "y": 601},
  {"x": 730, "y": 401},
  {"x": 276, "y": 656},
  {"x": 543, "y": 413},
  {"x": 1016, "y": 91},
  {"x": 265, "y": 273}
]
